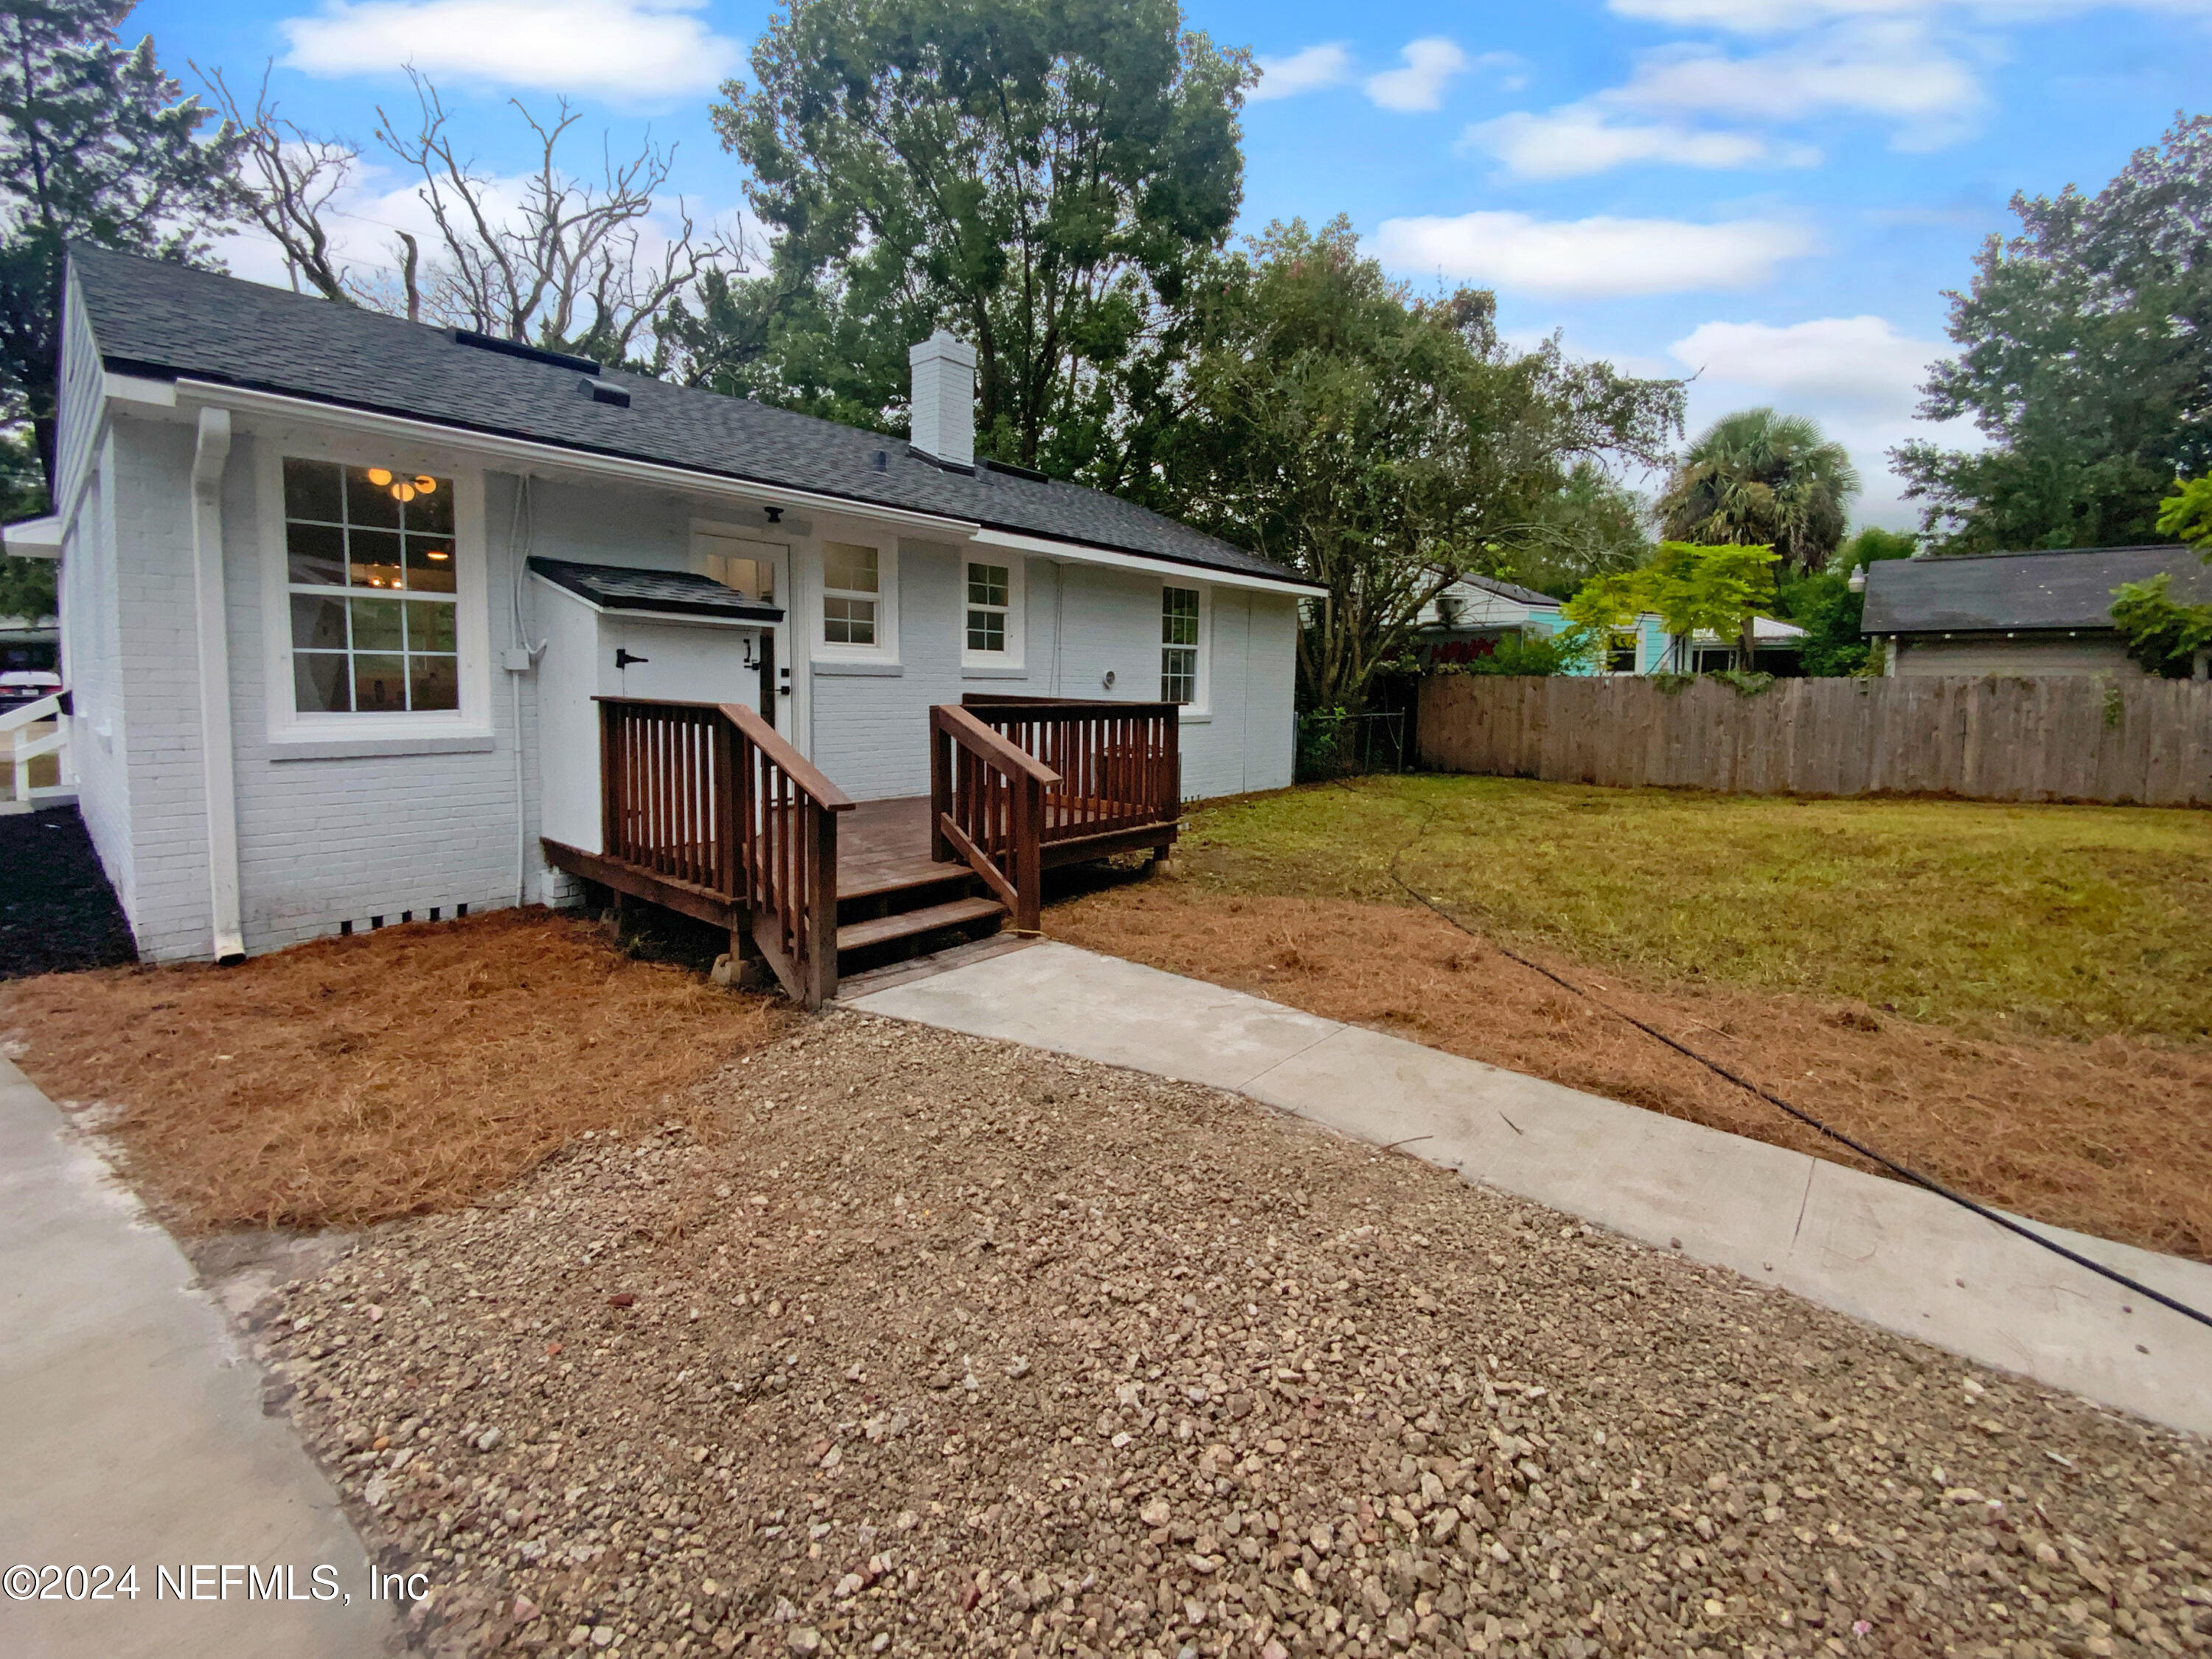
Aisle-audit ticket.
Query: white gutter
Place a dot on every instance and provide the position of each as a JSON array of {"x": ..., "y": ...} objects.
[
  {"x": 1084, "y": 553},
  {"x": 210, "y": 457},
  {"x": 35, "y": 538},
  {"x": 533, "y": 453}
]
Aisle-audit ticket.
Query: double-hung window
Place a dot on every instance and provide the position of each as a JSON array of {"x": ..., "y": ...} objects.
[
  {"x": 852, "y": 585},
  {"x": 1181, "y": 611},
  {"x": 369, "y": 558},
  {"x": 990, "y": 601}
]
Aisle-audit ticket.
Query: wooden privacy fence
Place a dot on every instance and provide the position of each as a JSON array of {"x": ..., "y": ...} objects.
[{"x": 2052, "y": 737}]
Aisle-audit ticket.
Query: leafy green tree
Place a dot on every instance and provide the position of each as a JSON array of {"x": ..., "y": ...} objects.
[
  {"x": 1756, "y": 478},
  {"x": 1592, "y": 524},
  {"x": 1381, "y": 445},
  {"x": 1823, "y": 604},
  {"x": 1718, "y": 589},
  {"x": 1044, "y": 177},
  {"x": 2187, "y": 514},
  {"x": 2164, "y": 635},
  {"x": 96, "y": 144},
  {"x": 2086, "y": 360}
]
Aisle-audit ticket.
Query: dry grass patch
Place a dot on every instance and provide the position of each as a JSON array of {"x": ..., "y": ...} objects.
[
  {"x": 351, "y": 1080},
  {"x": 2110, "y": 1137}
]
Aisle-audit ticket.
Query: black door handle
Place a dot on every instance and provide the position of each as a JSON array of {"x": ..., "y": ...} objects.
[{"x": 624, "y": 659}]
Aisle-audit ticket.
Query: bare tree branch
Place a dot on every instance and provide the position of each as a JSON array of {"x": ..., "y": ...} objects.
[
  {"x": 291, "y": 175},
  {"x": 566, "y": 266}
]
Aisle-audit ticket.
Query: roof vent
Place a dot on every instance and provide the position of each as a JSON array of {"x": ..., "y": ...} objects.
[
  {"x": 469, "y": 337},
  {"x": 604, "y": 392}
]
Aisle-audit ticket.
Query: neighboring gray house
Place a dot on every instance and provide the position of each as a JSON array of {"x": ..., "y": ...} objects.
[
  {"x": 337, "y": 591},
  {"x": 2016, "y": 613}
]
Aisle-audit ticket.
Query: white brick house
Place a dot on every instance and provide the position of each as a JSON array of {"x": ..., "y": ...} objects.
[{"x": 337, "y": 591}]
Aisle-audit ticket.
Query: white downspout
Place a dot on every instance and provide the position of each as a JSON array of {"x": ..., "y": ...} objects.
[{"x": 210, "y": 456}]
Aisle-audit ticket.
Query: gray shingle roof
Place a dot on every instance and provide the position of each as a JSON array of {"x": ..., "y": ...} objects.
[
  {"x": 1513, "y": 591},
  {"x": 617, "y": 587},
  {"x": 2009, "y": 592},
  {"x": 167, "y": 320}
]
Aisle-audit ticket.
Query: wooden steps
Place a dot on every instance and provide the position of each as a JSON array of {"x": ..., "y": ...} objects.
[{"x": 913, "y": 924}]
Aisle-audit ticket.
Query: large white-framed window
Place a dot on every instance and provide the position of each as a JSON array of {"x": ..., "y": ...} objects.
[
  {"x": 1186, "y": 626},
  {"x": 370, "y": 572},
  {"x": 991, "y": 625},
  {"x": 856, "y": 611},
  {"x": 375, "y": 595}
]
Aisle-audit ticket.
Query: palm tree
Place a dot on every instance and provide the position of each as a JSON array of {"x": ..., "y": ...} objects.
[{"x": 1757, "y": 478}]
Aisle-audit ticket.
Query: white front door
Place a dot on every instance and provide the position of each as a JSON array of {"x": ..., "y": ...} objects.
[{"x": 763, "y": 570}]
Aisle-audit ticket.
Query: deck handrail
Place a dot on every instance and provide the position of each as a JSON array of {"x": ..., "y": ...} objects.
[
  {"x": 709, "y": 798},
  {"x": 1119, "y": 764},
  {"x": 21, "y": 751},
  {"x": 777, "y": 747},
  {"x": 986, "y": 797}
]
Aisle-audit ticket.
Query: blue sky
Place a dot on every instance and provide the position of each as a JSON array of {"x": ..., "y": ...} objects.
[{"x": 1772, "y": 193}]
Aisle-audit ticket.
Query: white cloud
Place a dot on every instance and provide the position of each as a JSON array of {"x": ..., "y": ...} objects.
[
  {"x": 1862, "y": 362},
  {"x": 1601, "y": 257},
  {"x": 1892, "y": 69},
  {"x": 1430, "y": 65},
  {"x": 1768, "y": 16},
  {"x": 617, "y": 48},
  {"x": 1895, "y": 70},
  {"x": 1302, "y": 71},
  {"x": 1860, "y": 377},
  {"x": 1577, "y": 139}
]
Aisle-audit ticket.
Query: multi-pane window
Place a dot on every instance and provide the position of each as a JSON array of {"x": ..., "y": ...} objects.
[
  {"x": 990, "y": 598},
  {"x": 1620, "y": 652},
  {"x": 1179, "y": 645},
  {"x": 851, "y": 584},
  {"x": 369, "y": 555}
]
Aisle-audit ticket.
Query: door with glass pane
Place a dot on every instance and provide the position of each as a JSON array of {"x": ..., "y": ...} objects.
[{"x": 761, "y": 570}]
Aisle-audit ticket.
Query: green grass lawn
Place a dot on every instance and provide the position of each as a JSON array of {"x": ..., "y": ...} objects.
[{"x": 2069, "y": 920}]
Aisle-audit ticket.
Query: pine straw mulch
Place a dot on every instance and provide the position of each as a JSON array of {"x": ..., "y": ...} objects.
[
  {"x": 348, "y": 1081},
  {"x": 2112, "y": 1137}
]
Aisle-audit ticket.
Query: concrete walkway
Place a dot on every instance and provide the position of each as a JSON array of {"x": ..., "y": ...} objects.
[
  {"x": 1876, "y": 1249},
  {"x": 131, "y": 1434}
]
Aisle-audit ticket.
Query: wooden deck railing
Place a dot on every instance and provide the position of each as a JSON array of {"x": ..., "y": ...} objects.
[
  {"x": 1119, "y": 764},
  {"x": 987, "y": 805},
  {"x": 728, "y": 821}
]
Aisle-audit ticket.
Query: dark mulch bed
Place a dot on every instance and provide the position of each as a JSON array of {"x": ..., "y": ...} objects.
[{"x": 57, "y": 914}]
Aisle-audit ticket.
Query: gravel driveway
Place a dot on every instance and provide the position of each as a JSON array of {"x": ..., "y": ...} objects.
[{"x": 938, "y": 1345}]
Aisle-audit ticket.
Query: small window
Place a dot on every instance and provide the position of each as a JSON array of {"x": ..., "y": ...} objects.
[
  {"x": 1620, "y": 652},
  {"x": 369, "y": 553},
  {"x": 1179, "y": 612},
  {"x": 851, "y": 587},
  {"x": 990, "y": 601}
]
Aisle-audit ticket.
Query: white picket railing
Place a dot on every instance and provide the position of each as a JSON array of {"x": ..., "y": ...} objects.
[{"x": 14, "y": 733}]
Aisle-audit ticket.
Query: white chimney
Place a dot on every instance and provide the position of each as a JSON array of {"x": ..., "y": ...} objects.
[{"x": 945, "y": 399}]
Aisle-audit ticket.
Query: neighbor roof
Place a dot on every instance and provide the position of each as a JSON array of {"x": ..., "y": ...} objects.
[
  {"x": 165, "y": 320},
  {"x": 618, "y": 587},
  {"x": 1991, "y": 592},
  {"x": 1505, "y": 590}
]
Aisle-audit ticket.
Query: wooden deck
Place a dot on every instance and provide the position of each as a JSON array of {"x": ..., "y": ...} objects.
[
  {"x": 882, "y": 846},
  {"x": 706, "y": 810}
]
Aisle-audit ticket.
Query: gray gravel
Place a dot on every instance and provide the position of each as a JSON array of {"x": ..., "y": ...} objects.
[{"x": 941, "y": 1345}]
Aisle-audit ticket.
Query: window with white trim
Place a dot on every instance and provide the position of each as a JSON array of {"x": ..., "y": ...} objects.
[
  {"x": 989, "y": 600},
  {"x": 852, "y": 595},
  {"x": 991, "y": 629},
  {"x": 1181, "y": 611},
  {"x": 369, "y": 558}
]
